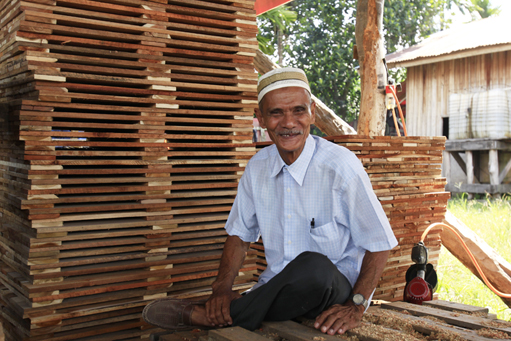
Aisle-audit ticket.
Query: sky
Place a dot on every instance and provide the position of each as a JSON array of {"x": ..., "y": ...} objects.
[{"x": 505, "y": 7}]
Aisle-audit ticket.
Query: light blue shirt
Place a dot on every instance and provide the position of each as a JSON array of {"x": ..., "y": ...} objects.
[{"x": 328, "y": 183}]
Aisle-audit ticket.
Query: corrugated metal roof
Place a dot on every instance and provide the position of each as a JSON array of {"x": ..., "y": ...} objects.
[{"x": 487, "y": 32}]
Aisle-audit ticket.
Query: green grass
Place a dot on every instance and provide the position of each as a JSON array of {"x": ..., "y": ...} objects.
[{"x": 491, "y": 220}]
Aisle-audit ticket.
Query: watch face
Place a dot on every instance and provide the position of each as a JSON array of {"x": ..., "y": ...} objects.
[{"x": 358, "y": 299}]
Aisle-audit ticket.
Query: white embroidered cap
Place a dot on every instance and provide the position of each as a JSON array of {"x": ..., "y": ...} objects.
[{"x": 281, "y": 78}]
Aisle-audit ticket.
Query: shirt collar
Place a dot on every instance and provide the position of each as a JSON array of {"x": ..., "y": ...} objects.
[{"x": 298, "y": 168}]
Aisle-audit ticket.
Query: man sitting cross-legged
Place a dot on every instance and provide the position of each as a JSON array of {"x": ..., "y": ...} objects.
[{"x": 325, "y": 235}]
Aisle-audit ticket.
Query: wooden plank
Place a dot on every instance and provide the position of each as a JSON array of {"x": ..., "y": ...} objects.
[
  {"x": 427, "y": 326},
  {"x": 453, "y": 306},
  {"x": 117, "y": 198},
  {"x": 234, "y": 334},
  {"x": 127, "y": 206},
  {"x": 182, "y": 52},
  {"x": 128, "y": 32},
  {"x": 465, "y": 321},
  {"x": 293, "y": 331},
  {"x": 122, "y": 55},
  {"x": 187, "y": 15},
  {"x": 477, "y": 144},
  {"x": 30, "y": 104},
  {"x": 172, "y": 64},
  {"x": 181, "y": 336},
  {"x": 159, "y": 71}
]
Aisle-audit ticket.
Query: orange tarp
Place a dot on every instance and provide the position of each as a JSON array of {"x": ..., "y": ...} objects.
[{"x": 262, "y": 6}]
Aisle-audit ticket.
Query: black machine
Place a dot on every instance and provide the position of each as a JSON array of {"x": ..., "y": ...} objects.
[{"x": 421, "y": 278}]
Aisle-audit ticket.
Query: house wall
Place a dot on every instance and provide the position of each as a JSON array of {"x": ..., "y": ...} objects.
[{"x": 429, "y": 87}]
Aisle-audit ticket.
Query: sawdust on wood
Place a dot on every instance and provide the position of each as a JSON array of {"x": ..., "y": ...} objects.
[
  {"x": 408, "y": 327},
  {"x": 493, "y": 334},
  {"x": 389, "y": 325},
  {"x": 382, "y": 333},
  {"x": 496, "y": 323}
]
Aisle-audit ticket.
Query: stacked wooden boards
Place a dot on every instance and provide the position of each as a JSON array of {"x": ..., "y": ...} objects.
[
  {"x": 406, "y": 176},
  {"x": 398, "y": 321},
  {"x": 126, "y": 125}
]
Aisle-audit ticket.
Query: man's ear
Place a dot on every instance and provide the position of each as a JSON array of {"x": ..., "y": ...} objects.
[{"x": 259, "y": 116}]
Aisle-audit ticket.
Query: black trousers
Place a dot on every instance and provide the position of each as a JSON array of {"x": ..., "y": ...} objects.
[{"x": 307, "y": 286}]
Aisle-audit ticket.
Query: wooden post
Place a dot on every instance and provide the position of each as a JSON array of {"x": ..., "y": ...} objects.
[
  {"x": 493, "y": 168},
  {"x": 447, "y": 166},
  {"x": 369, "y": 37},
  {"x": 470, "y": 170}
]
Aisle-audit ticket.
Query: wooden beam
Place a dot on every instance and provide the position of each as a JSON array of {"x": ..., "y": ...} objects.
[
  {"x": 460, "y": 161},
  {"x": 504, "y": 172},
  {"x": 293, "y": 331},
  {"x": 234, "y": 334},
  {"x": 479, "y": 188},
  {"x": 476, "y": 144},
  {"x": 496, "y": 269}
]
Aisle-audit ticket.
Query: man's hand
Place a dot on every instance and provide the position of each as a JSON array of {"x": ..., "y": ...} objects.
[
  {"x": 339, "y": 318},
  {"x": 218, "y": 307}
]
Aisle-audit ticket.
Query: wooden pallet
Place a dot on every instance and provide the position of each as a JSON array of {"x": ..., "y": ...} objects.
[{"x": 438, "y": 320}]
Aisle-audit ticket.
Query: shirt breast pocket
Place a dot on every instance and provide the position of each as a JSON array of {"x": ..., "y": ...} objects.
[{"x": 327, "y": 239}]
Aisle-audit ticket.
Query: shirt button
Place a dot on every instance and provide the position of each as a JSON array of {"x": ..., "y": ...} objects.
[
  {"x": 289, "y": 189},
  {"x": 289, "y": 216},
  {"x": 289, "y": 242}
]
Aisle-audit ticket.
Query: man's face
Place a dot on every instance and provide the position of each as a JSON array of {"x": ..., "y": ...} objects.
[{"x": 287, "y": 113}]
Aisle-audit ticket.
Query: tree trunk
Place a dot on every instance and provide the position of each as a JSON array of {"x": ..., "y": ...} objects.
[
  {"x": 326, "y": 120},
  {"x": 495, "y": 268},
  {"x": 280, "y": 45},
  {"x": 369, "y": 38}
]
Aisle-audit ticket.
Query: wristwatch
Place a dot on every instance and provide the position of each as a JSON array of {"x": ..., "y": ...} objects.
[{"x": 359, "y": 299}]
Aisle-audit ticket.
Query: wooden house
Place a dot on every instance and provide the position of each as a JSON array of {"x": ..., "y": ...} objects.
[{"x": 459, "y": 86}]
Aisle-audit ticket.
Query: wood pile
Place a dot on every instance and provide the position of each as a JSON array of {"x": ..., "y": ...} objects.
[
  {"x": 406, "y": 176},
  {"x": 125, "y": 126},
  {"x": 398, "y": 321}
]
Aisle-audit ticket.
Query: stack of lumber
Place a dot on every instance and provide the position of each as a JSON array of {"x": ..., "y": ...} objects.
[
  {"x": 398, "y": 321},
  {"x": 406, "y": 176},
  {"x": 126, "y": 125}
]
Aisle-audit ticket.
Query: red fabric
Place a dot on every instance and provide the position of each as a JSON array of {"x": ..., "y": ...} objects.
[{"x": 262, "y": 6}]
